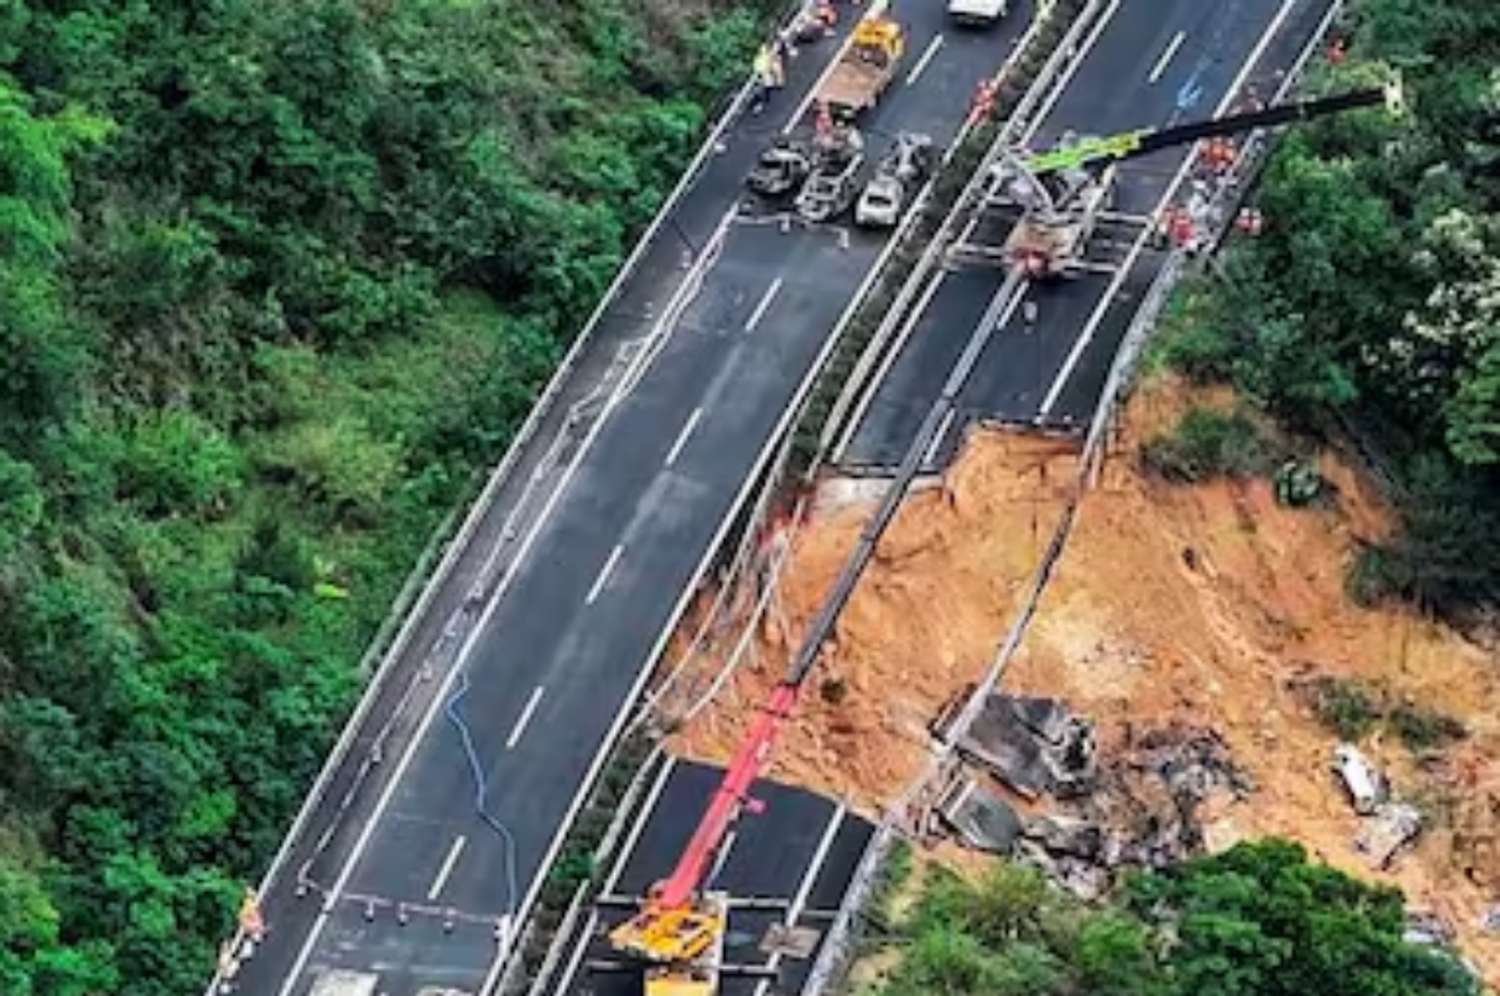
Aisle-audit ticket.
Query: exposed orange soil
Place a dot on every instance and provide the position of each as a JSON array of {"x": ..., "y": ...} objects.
[
  {"x": 925, "y": 620},
  {"x": 1128, "y": 632}
]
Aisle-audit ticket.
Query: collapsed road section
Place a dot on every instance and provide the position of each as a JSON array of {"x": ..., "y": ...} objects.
[{"x": 427, "y": 844}]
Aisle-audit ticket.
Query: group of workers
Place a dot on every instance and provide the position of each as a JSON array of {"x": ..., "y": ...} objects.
[{"x": 817, "y": 19}]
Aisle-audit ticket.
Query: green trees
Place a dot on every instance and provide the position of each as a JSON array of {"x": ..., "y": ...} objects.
[
  {"x": 1258, "y": 920},
  {"x": 275, "y": 281},
  {"x": 1371, "y": 294}
]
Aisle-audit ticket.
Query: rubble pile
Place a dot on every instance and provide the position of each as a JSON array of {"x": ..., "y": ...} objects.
[{"x": 1137, "y": 806}]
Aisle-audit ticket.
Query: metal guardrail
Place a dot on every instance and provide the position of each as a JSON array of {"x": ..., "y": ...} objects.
[
  {"x": 835, "y": 951},
  {"x": 1225, "y": 201},
  {"x": 389, "y": 649},
  {"x": 1020, "y": 118}
]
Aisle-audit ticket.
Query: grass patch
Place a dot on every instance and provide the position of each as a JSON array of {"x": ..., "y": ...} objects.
[
  {"x": 1208, "y": 444},
  {"x": 1354, "y": 709}
]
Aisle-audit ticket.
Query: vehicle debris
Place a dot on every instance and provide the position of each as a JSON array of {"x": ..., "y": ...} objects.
[{"x": 1365, "y": 784}]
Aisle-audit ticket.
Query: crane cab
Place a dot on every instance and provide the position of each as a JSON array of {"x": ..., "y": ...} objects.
[{"x": 673, "y": 936}]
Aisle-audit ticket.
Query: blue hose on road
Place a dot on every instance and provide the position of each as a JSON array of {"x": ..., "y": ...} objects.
[{"x": 482, "y": 789}]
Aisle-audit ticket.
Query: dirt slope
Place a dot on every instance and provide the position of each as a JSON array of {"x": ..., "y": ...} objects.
[
  {"x": 924, "y": 621},
  {"x": 1129, "y": 632}
]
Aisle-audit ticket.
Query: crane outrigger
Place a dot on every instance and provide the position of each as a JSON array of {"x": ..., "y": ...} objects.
[{"x": 677, "y": 936}]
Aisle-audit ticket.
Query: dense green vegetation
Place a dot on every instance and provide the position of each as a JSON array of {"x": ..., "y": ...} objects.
[
  {"x": 1369, "y": 306},
  {"x": 1258, "y": 920},
  {"x": 275, "y": 279}
]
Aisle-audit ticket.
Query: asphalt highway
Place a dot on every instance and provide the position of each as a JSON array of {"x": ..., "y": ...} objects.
[
  {"x": 794, "y": 861},
  {"x": 411, "y": 876},
  {"x": 1155, "y": 63}
]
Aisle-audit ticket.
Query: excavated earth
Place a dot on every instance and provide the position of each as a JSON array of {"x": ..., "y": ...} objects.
[{"x": 1134, "y": 631}]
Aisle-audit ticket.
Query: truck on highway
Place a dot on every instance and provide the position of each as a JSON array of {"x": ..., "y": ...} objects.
[
  {"x": 978, "y": 13},
  {"x": 865, "y": 69}
]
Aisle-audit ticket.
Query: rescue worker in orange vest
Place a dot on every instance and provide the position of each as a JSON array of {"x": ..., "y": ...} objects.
[
  {"x": 1219, "y": 154},
  {"x": 985, "y": 96}
]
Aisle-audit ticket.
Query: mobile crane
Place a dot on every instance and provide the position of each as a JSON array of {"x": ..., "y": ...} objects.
[
  {"x": 1063, "y": 193},
  {"x": 677, "y": 936}
]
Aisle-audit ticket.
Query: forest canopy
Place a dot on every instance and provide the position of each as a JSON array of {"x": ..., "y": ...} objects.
[
  {"x": 278, "y": 279},
  {"x": 1370, "y": 307}
]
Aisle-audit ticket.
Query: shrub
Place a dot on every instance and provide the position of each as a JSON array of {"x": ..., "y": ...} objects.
[{"x": 1207, "y": 444}]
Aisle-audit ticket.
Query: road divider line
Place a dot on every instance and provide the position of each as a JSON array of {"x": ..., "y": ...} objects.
[
  {"x": 664, "y": 325},
  {"x": 927, "y": 57},
  {"x": 1166, "y": 57},
  {"x": 1122, "y": 272},
  {"x": 604, "y": 573},
  {"x": 525, "y": 720},
  {"x": 764, "y": 305},
  {"x": 941, "y": 437},
  {"x": 570, "y": 972},
  {"x": 690, "y": 590},
  {"x": 682, "y": 437},
  {"x": 446, "y": 868},
  {"x": 866, "y": 397}
]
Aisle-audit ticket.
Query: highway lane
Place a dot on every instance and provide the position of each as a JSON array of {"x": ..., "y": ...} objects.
[
  {"x": 797, "y": 858},
  {"x": 590, "y": 593},
  {"x": 1047, "y": 363}
]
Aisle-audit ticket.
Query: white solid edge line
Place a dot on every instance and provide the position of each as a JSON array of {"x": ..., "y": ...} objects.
[
  {"x": 867, "y": 398},
  {"x": 927, "y": 57},
  {"x": 604, "y": 573},
  {"x": 764, "y": 305},
  {"x": 1065, "y": 80},
  {"x": 1166, "y": 56},
  {"x": 690, "y": 589},
  {"x": 809, "y": 879},
  {"x": 525, "y": 720},
  {"x": 446, "y": 868},
  {"x": 682, "y": 437},
  {"x": 565, "y": 369},
  {"x": 648, "y": 805},
  {"x": 812, "y": 92},
  {"x": 579, "y": 950},
  {"x": 1091, "y": 327},
  {"x": 383, "y": 801}
]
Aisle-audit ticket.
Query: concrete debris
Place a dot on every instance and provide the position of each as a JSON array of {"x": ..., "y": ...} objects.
[
  {"x": 1034, "y": 745},
  {"x": 981, "y": 819},
  {"x": 1139, "y": 806},
  {"x": 1387, "y": 832},
  {"x": 1429, "y": 928},
  {"x": 789, "y": 942}
]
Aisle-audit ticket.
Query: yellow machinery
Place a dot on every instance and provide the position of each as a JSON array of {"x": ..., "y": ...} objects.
[{"x": 866, "y": 68}]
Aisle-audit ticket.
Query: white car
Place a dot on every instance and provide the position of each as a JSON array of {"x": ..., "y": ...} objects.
[
  {"x": 980, "y": 13},
  {"x": 880, "y": 204}
]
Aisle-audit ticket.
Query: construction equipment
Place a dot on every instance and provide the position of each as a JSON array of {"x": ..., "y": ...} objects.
[
  {"x": 679, "y": 932},
  {"x": 900, "y": 173},
  {"x": 677, "y": 936},
  {"x": 866, "y": 67},
  {"x": 1061, "y": 194},
  {"x": 781, "y": 168}
]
